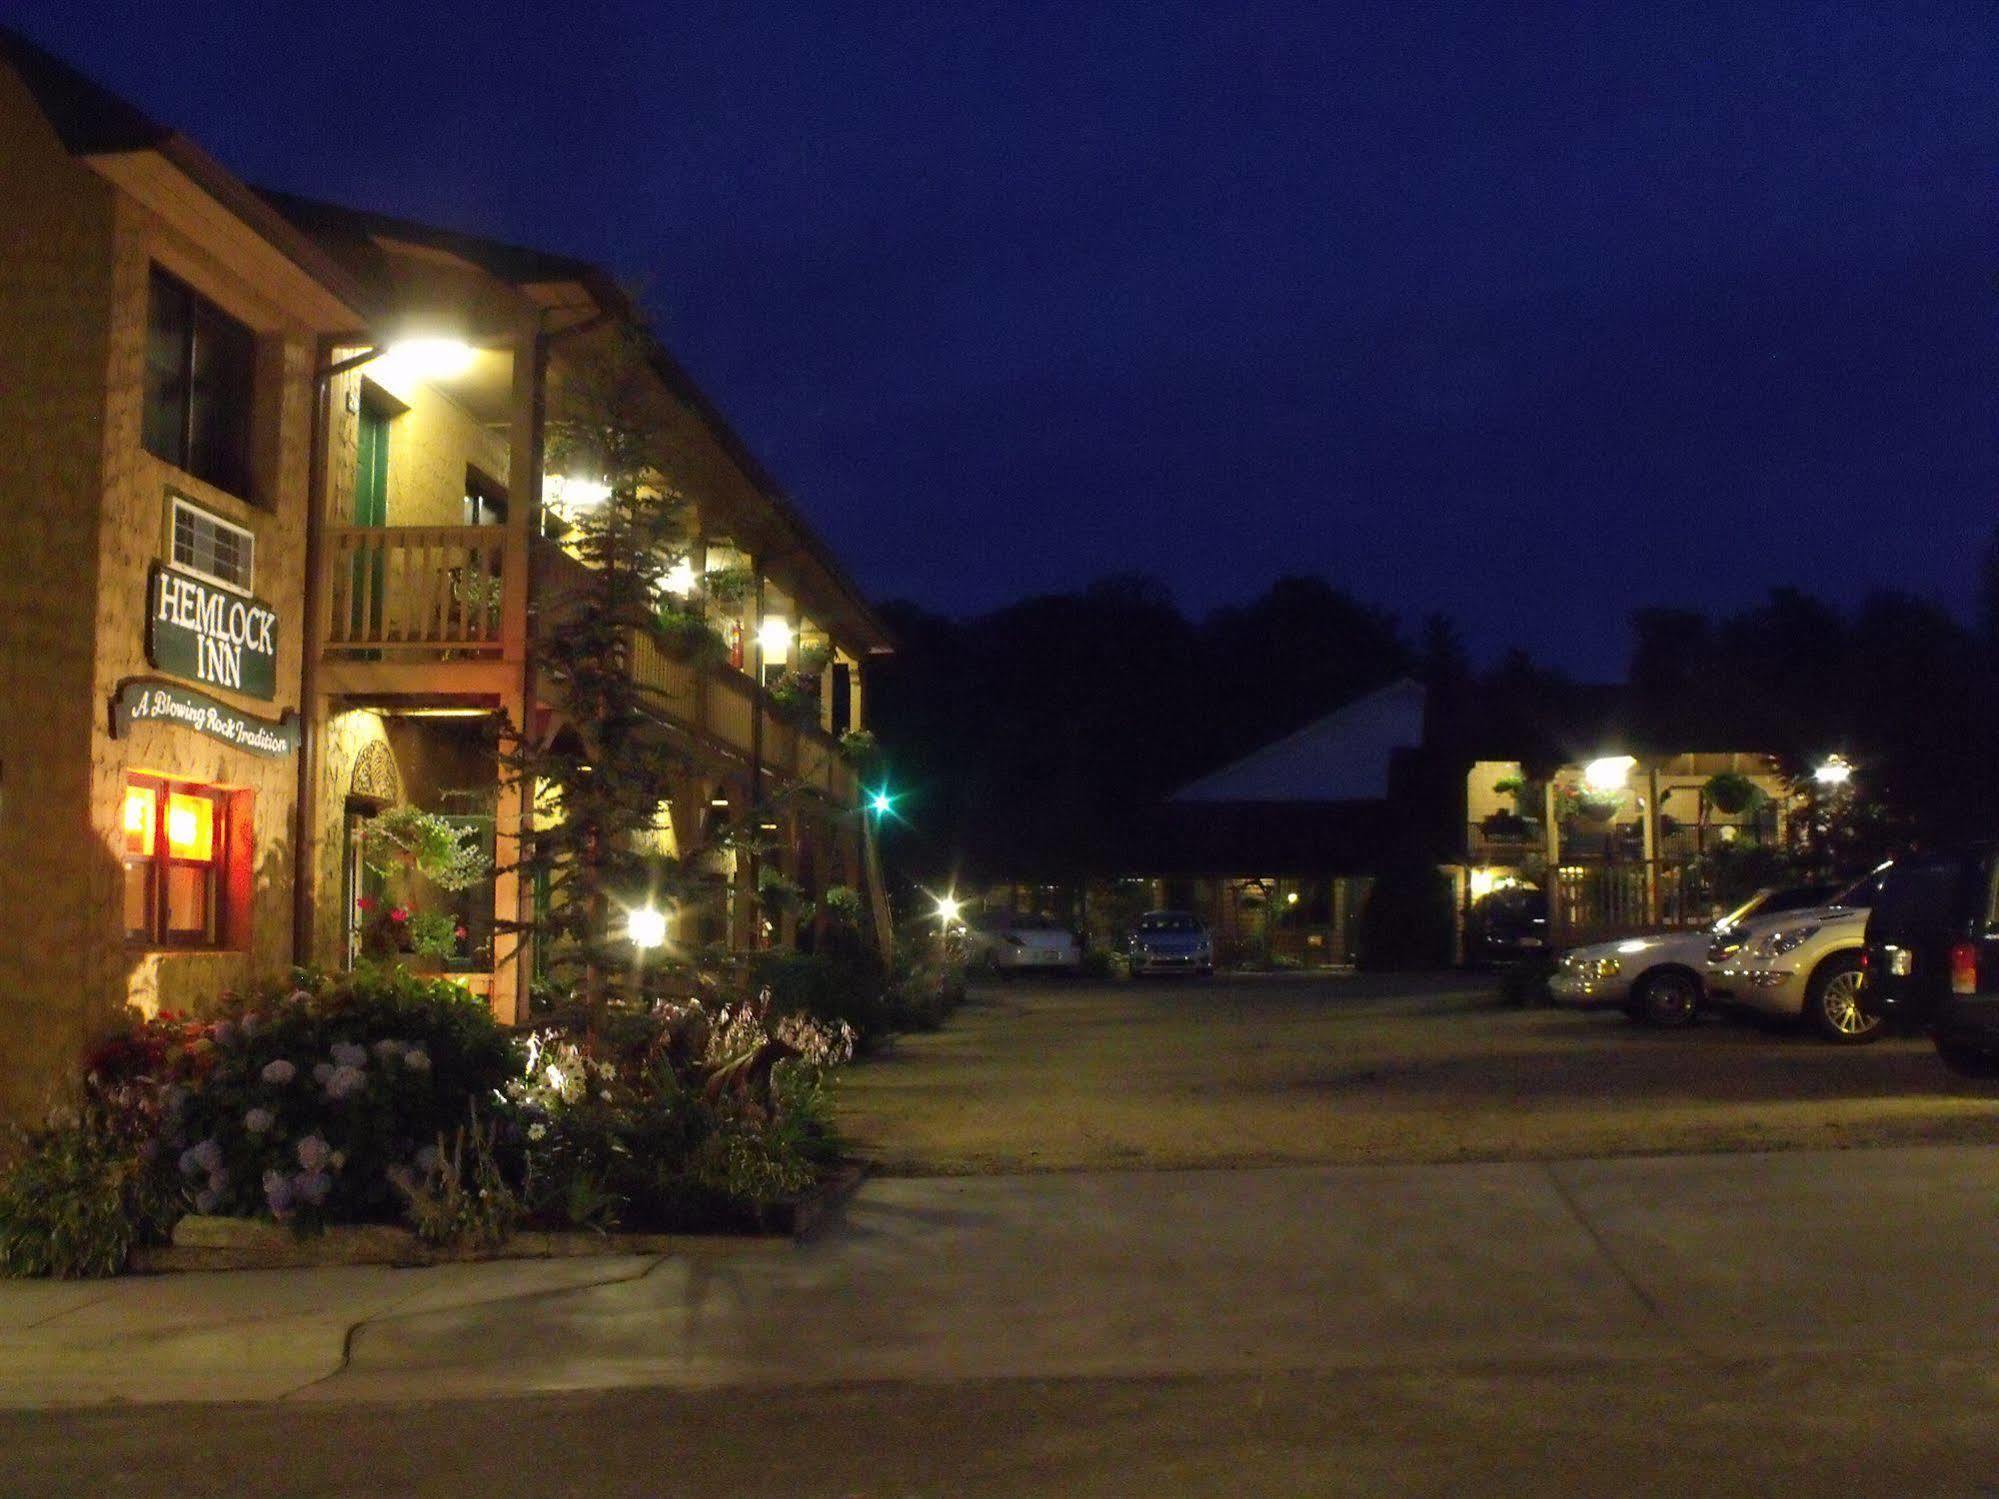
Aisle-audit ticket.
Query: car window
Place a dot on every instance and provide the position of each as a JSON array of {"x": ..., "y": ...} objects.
[
  {"x": 1862, "y": 892},
  {"x": 1918, "y": 897},
  {"x": 1797, "y": 898},
  {"x": 1169, "y": 921}
]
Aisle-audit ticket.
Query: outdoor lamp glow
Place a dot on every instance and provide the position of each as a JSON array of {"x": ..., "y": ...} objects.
[
  {"x": 427, "y": 358},
  {"x": 1608, "y": 774},
  {"x": 1834, "y": 772},
  {"x": 774, "y": 636},
  {"x": 646, "y": 927},
  {"x": 679, "y": 579},
  {"x": 947, "y": 909},
  {"x": 880, "y": 802},
  {"x": 570, "y": 494}
]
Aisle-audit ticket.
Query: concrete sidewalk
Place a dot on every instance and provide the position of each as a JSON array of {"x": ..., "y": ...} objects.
[{"x": 1107, "y": 1274}]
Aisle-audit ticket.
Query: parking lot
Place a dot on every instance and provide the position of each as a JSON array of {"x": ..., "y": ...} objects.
[{"x": 1343, "y": 1069}]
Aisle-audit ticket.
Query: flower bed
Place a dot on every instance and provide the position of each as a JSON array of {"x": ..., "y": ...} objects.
[{"x": 386, "y": 1098}]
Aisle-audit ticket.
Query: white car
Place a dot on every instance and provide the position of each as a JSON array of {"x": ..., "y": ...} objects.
[
  {"x": 1003, "y": 944},
  {"x": 1807, "y": 965},
  {"x": 1662, "y": 979}
]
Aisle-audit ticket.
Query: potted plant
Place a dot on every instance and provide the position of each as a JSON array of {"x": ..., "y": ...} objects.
[{"x": 686, "y": 635}]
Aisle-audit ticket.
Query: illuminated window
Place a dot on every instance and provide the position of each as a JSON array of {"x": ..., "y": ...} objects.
[{"x": 177, "y": 875}]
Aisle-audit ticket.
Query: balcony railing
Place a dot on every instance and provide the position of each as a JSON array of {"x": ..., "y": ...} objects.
[
  {"x": 398, "y": 589},
  {"x": 725, "y": 704}
]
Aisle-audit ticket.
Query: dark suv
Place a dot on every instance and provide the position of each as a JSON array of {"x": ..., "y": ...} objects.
[{"x": 1933, "y": 952}]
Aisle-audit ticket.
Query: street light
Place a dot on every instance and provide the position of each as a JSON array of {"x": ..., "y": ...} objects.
[
  {"x": 1834, "y": 772},
  {"x": 880, "y": 802},
  {"x": 948, "y": 909}
]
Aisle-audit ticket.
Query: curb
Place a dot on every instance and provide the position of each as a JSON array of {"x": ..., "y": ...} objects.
[{"x": 205, "y": 1244}]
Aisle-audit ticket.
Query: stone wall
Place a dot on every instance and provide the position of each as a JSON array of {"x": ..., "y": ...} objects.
[{"x": 55, "y": 293}]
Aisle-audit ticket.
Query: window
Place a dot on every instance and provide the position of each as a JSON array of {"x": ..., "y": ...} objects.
[
  {"x": 211, "y": 548},
  {"x": 177, "y": 845},
  {"x": 485, "y": 500},
  {"x": 199, "y": 368}
]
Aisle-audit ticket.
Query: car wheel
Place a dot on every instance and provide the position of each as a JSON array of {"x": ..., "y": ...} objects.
[
  {"x": 1967, "y": 1060},
  {"x": 1669, "y": 998},
  {"x": 1835, "y": 1002}
]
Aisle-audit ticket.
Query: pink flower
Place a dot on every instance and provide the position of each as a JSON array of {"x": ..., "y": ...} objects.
[{"x": 399, "y": 913}]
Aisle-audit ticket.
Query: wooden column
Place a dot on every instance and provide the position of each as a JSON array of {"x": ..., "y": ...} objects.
[
  {"x": 1551, "y": 834},
  {"x": 513, "y": 895},
  {"x": 1650, "y": 825}
]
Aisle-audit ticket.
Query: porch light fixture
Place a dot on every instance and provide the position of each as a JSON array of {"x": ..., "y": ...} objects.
[
  {"x": 679, "y": 579},
  {"x": 1833, "y": 772},
  {"x": 426, "y": 358},
  {"x": 774, "y": 637},
  {"x": 646, "y": 928},
  {"x": 1608, "y": 774}
]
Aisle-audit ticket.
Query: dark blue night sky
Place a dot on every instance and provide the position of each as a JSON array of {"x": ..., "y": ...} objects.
[{"x": 1529, "y": 319}]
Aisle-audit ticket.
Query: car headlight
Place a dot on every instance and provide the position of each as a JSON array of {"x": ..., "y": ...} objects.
[
  {"x": 1788, "y": 940},
  {"x": 1593, "y": 970}
]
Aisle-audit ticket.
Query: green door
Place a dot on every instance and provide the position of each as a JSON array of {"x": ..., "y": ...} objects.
[{"x": 371, "y": 508}]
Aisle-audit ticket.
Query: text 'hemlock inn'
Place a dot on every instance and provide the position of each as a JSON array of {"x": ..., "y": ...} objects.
[{"x": 274, "y": 524}]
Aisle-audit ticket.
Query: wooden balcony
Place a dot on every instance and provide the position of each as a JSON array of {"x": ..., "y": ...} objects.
[
  {"x": 723, "y": 705},
  {"x": 413, "y": 591}
]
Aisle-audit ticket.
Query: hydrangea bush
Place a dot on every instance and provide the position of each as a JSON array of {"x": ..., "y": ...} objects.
[{"x": 322, "y": 1102}]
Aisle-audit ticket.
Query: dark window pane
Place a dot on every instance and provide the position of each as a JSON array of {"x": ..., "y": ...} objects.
[
  {"x": 200, "y": 368},
  {"x": 167, "y": 333}
]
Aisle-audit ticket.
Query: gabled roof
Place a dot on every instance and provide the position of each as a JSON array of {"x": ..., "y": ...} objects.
[
  {"x": 1343, "y": 757},
  {"x": 87, "y": 117}
]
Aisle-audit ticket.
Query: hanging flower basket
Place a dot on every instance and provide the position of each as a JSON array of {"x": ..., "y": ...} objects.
[
  {"x": 1505, "y": 827},
  {"x": 1731, "y": 793}
]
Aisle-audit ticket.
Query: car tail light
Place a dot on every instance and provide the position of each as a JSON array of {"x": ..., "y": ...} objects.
[
  {"x": 1964, "y": 969},
  {"x": 1865, "y": 961}
]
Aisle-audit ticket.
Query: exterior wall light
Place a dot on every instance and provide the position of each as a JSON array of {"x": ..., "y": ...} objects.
[
  {"x": 1608, "y": 774},
  {"x": 1833, "y": 772},
  {"x": 774, "y": 636},
  {"x": 646, "y": 928}
]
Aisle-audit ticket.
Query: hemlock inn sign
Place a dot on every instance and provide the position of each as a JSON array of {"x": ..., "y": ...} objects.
[
  {"x": 208, "y": 634},
  {"x": 151, "y": 700}
]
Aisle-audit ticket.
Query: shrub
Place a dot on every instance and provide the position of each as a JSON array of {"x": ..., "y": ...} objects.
[
  {"x": 1407, "y": 921},
  {"x": 832, "y": 987},
  {"x": 464, "y": 1198},
  {"x": 84, "y": 1191},
  {"x": 321, "y": 1102}
]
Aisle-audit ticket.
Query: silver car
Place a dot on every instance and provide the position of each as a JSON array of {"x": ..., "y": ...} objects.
[
  {"x": 1002, "y": 943},
  {"x": 1808, "y": 966},
  {"x": 1170, "y": 942},
  {"x": 1662, "y": 979}
]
